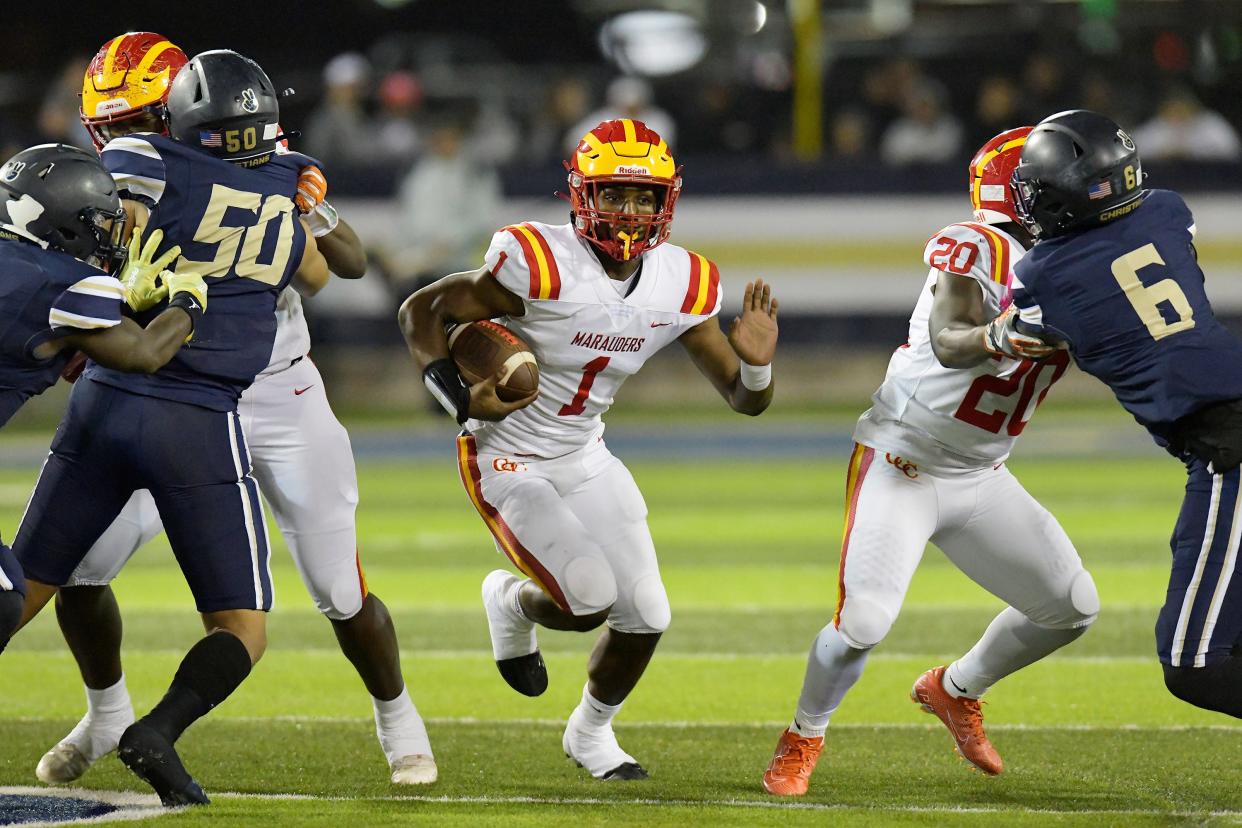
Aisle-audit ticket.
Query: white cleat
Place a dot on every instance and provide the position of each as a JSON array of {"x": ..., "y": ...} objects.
[
  {"x": 87, "y": 742},
  {"x": 417, "y": 769},
  {"x": 513, "y": 637},
  {"x": 596, "y": 750}
]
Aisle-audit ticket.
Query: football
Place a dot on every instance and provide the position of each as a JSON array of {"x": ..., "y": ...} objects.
[{"x": 484, "y": 348}]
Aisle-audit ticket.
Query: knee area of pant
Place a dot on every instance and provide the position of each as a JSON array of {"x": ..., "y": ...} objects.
[
  {"x": 1081, "y": 605},
  {"x": 864, "y": 623},
  {"x": 341, "y": 601},
  {"x": 589, "y": 585},
  {"x": 650, "y": 608}
]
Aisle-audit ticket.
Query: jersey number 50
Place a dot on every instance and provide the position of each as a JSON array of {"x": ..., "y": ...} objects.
[{"x": 249, "y": 238}]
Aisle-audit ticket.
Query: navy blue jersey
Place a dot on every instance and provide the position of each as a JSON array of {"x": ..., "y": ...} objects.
[
  {"x": 1129, "y": 298},
  {"x": 238, "y": 227},
  {"x": 45, "y": 294}
]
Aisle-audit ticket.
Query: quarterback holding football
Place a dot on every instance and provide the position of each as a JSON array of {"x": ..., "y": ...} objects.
[{"x": 594, "y": 299}]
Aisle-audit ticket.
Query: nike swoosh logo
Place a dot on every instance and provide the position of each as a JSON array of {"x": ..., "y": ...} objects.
[
  {"x": 959, "y": 688},
  {"x": 660, "y": 324},
  {"x": 297, "y": 392}
]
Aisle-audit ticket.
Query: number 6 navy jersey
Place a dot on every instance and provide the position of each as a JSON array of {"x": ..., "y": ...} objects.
[
  {"x": 1128, "y": 297},
  {"x": 238, "y": 227}
]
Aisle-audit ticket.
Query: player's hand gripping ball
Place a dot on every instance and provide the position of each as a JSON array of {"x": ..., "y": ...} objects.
[{"x": 485, "y": 349}]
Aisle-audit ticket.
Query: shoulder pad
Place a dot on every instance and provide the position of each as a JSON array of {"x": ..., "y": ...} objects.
[{"x": 969, "y": 249}]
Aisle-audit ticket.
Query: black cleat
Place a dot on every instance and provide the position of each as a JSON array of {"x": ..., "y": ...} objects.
[
  {"x": 526, "y": 674},
  {"x": 153, "y": 758},
  {"x": 628, "y": 772}
]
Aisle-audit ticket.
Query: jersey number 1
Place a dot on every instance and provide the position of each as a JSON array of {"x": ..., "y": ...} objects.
[{"x": 578, "y": 404}]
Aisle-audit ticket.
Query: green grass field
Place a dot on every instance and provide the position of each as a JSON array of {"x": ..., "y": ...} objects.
[{"x": 749, "y": 552}]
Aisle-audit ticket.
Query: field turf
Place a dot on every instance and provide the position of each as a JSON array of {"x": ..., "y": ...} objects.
[{"x": 748, "y": 549}]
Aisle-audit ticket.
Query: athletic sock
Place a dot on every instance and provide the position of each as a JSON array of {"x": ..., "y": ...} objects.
[
  {"x": 209, "y": 673},
  {"x": 109, "y": 701},
  {"x": 1011, "y": 642},
  {"x": 832, "y": 668},
  {"x": 513, "y": 598},
  {"x": 108, "y": 712},
  {"x": 400, "y": 729},
  {"x": 595, "y": 713}
]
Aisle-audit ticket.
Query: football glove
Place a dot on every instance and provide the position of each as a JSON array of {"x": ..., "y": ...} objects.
[
  {"x": 1001, "y": 338},
  {"x": 141, "y": 271},
  {"x": 322, "y": 220},
  {"x": 312, "y": 188}
]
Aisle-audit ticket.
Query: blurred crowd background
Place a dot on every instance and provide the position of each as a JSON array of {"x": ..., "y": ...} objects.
[{"x": 822, "y": 140}]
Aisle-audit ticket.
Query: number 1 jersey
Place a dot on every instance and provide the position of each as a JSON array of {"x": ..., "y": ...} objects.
[
  {"x": 958, "y": 417},
  {"x": 237, "y": 227},
  {"x": 588, "y": 332}
]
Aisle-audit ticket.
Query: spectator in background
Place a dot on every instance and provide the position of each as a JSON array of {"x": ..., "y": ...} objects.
[
  {"x": 568, "y": 101},
  {"x": 627, "y": 97},
  {"x": 1044, "y": 89},
  {"x": 849, "y": 135},
  {"x": 1183, "y": 129},
  {"x": 58, "y": 119},
  {"x": 886, "y": 87},
  {"x": 396, "y": 131},
  {"x": 997, "y": 109},
  {"x": 926, "y": 131},
  {"x": 722, "y": 121},
  {"x": 447, "y": 210},
  {"x": 338, "y": 132}
]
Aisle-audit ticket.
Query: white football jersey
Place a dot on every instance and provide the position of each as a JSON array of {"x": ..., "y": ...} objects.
[
  {"x": 587, "y": 336},
  {"x": 292, "y": 335},
  {"x": 958, "y": 417}
]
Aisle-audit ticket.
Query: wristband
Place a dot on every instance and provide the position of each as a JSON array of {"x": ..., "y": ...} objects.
[
  {"x": 322, "y": 219},
  {"x": 756, "y": 377},
  {"x": 186, "y": 301},
  {"x": 449, "y": 388}
]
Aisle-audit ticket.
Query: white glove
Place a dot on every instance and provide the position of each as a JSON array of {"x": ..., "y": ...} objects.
[
  {"x": 322, "y": 219},
  {"x": 1001, "y": 338}
]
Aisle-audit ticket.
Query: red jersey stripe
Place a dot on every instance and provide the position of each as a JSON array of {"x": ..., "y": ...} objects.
[
  {"x": 713, "y": 290},
  {"x": 696, "y": 276},
  {"x": 532, "y": 261},
  {"x": 554, "y": 273}
]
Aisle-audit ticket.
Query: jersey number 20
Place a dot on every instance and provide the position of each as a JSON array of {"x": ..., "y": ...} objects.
[{"x": 229, "y": 238}]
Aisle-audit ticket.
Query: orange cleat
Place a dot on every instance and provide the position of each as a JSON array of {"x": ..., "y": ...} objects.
[
  {"x": 790, "y": 769},
  {"x": 962, "y": 717}
]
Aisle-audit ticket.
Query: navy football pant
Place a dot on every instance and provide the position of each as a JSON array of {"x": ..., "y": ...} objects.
[
  {"x": 10, "y": 573},
  {"x": 194, "y": 462},
  {"x": 1201, "y": 621}
]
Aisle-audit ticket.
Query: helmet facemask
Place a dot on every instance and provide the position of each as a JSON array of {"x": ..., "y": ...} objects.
[
  {"x": 110, "y": 252},
  {"x": 622, "y": 235}
]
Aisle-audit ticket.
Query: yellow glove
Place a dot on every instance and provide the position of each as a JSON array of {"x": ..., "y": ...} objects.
[
  {"x": 138, "y": 277},
  {"x": 187, "y": 291}
]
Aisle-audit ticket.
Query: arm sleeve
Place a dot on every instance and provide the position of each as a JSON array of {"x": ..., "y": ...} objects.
[
  {"x": 89, "y": 304},
  {"x": 137, "y": 168}
]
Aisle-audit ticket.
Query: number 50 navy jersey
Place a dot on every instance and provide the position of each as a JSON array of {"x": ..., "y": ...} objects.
[
  {"x": 238, "y": 227},
  {"x": 1129, "y": 298}
]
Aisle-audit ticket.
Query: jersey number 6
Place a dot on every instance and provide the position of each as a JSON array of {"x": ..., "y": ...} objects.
[
  {"x": 229, "y": 238},
  {"x": 1147, "y": 299}
]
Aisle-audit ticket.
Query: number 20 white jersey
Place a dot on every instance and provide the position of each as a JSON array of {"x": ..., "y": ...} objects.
[
  {"x": 587, "y": 337},
  {"x": 958, "y": 417}
]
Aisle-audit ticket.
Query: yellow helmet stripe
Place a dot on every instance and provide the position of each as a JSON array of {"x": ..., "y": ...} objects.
[
  {"x": 975, "y": 196},
  {"x": 631, "y": 134},
  {"x": 153, "y": 53},
  {"x": 107, "y": 69}
]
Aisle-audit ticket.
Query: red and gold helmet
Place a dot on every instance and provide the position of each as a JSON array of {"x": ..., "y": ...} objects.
[
  {"x": 128, "y": 77},
  {"x": 990, "y": 172},
  {"x": 622, "y": 153}
]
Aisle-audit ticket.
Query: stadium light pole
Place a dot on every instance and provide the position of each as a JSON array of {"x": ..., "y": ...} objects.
[{"x": 808, "y": 101}]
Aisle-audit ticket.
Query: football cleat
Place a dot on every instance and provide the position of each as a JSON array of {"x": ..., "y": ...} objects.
[
  {"x": 417, "y": 769},
  {"x": 789, "y": 772},
  {"x": 513, "y": 638},
  {"x": 91, "y": 738},
  {"x": 146, "y": 752},
  {"x": 963, "y": 718},
  {"x": 596, "y": 750}
]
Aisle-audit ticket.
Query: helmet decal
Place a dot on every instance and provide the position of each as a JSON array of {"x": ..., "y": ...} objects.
[
  {"x": 989, "y": 174},
  {"x": 128, "y": 77}
]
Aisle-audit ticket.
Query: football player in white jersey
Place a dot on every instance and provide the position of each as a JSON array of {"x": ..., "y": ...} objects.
[
  {"x": 595, "y": 299},
  {"x": 929, "y": 464},
  {"x": 300, "y": 453}
]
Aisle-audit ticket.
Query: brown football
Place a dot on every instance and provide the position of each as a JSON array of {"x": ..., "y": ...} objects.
[{"x": 484, "y": 348}]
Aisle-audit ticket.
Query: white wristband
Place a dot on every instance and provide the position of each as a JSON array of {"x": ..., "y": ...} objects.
[
  {"x": 322, "y": 220},
  {"x": 756, "y": 377}
]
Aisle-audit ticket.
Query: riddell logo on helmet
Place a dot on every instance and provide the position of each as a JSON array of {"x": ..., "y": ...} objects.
[
  {"x": 633, "y": 171},
  {"x": 114, "y": 105}
]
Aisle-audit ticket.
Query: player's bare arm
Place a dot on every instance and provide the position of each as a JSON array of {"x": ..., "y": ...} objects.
[
  {"x": 344, "y": 252},
  {"x": 338, "y": 242},
  {"x": 456, "y": 299},
  {"x": 751, "y": 344},
  {"x": 957, "y": 321},
  {"x": 132, "y": 348},
  {"x": 313, "y": 271}
]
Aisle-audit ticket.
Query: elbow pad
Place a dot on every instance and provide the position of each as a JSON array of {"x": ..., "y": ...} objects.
[{"x": 448, "y": 386}]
